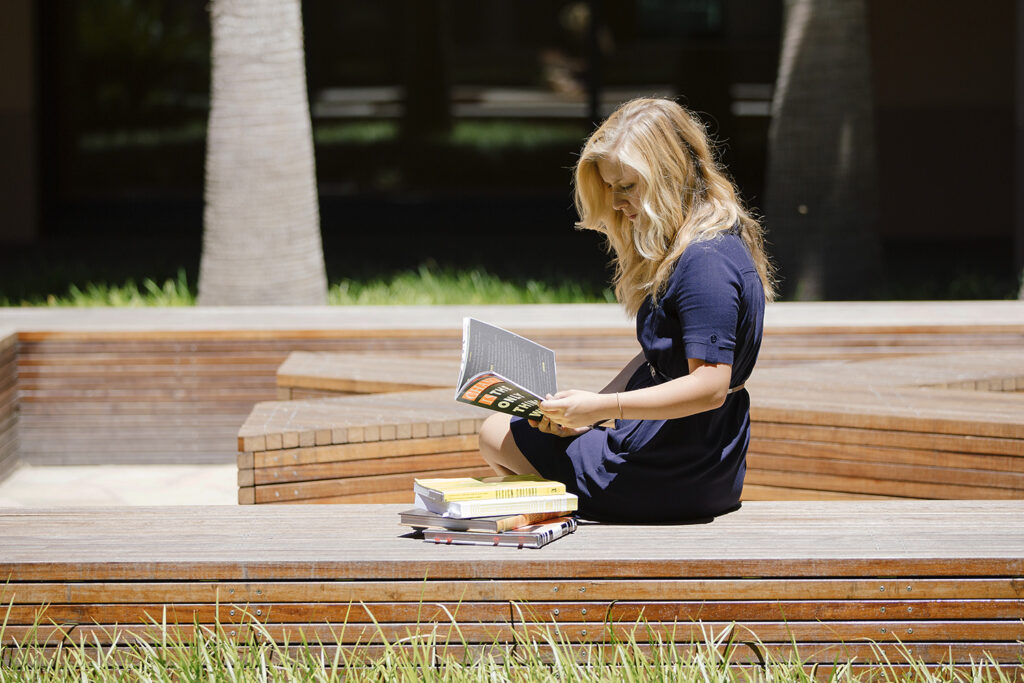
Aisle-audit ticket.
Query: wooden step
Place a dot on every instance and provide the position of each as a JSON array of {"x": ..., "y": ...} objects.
[{"x": 939, "y": 579}]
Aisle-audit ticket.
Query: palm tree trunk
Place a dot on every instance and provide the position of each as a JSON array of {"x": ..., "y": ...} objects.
[
  {"x": 821, "y": 197},
  {"x": 261, "y": 234}
]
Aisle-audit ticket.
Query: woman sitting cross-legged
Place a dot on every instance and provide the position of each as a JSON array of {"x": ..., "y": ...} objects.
[{"x": 690, "y": 265}]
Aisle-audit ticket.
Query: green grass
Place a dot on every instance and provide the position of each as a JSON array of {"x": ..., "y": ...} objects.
[
  {"x": 481, "y": 135},
  {"x": 147, "y": 138},
  {"x": 355, "y": 132},
  {"x": 484, "y": 136},
  {"x": 487, "y": 136},
  {"x": 213, "y": 655},
  {"x": 427, "y": 285},
  {"x": 172, "y": 292}
]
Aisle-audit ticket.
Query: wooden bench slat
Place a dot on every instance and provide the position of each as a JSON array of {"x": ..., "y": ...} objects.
[
  {"x": 893, "y": 472},
  {"x": 368, "y": 467},
  {"x": 796, "y": 411},
  {"x": 369, "y": 590},
  {"x": 364, "y": 450},
  {"x": 353, "y": 418},
  {"x": 880, "y": 454},
  {"x": 321, "y": 488},
  {"x": 401, "y": 495},
  {"x": 760, "y": 428},
  {"x": 802, "y": 633},
  {"x": 863, "y": 484},
  {"x": 669, "y": 611}
]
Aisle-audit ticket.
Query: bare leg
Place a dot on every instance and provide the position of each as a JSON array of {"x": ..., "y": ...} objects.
[{"x": 499, "y": 449}]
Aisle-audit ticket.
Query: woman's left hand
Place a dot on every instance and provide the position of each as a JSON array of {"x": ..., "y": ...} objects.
[{"x": 575, "y": 409}]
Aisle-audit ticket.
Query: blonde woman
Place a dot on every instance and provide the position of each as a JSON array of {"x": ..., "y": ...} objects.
[{"x": 690, "y": 265}]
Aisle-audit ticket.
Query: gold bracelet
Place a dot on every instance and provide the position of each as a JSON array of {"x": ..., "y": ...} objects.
[{"x": 619, "y": 404}]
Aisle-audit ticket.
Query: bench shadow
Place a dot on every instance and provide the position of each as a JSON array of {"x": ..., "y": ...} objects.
[{"x": 589, "y": 521}]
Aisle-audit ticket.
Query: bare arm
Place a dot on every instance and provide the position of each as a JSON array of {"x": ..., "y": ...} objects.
[{"x": 705, "y": 388}]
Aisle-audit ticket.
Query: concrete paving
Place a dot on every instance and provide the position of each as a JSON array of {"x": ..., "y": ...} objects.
[{"x": 33, "y": 486}]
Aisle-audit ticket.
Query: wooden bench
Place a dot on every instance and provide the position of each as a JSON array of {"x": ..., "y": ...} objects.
[
  {"x": 837, "y": 580},
  {"x": 105, "y": 386},
  {"x": 170, "y": 397},
  {"x": 372, "y": 439},
  {"x": 816, "y": 344},
  {"x": 355, "y": 449},
  {"x": 943, "y": 426},
  {"x": 926, "y": 426},
  {"x": 174, "y": 385}
]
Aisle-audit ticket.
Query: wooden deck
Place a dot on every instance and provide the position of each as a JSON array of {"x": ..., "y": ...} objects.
[{"x": 838, "y": 579}]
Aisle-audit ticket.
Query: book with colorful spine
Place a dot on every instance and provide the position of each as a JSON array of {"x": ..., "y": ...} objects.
[
  {"x": 419, "y": 518},
  {"x": 529, "y": 536}
]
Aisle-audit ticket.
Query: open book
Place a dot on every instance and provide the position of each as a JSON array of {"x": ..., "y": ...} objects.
[{"x": 502, "y": 371}]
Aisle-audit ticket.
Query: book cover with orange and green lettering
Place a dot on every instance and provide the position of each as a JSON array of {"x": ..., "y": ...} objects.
[{"x": 503, "y": 371}]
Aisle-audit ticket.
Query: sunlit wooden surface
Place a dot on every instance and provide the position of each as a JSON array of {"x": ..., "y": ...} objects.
[{"x": 944, "y": 578}]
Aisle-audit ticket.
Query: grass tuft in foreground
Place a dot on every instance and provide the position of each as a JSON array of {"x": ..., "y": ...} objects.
[{"x": 211, "y": 653}]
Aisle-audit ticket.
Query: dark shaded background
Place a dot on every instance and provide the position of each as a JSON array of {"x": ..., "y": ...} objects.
[{"x": 122, "y": 92}]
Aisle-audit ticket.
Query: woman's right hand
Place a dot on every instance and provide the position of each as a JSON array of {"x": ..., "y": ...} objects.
[{"x": 545, "y": 425}]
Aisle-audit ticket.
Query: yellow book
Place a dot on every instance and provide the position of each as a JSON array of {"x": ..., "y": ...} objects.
[{"x": 486, "y": 488}]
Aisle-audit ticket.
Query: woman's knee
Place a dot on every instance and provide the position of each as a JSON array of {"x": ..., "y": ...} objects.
[
  {"x": 493, "y": 432},
  {"x": 499, "y": 449}
]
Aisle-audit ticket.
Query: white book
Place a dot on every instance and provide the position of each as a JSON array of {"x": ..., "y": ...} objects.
[{"x": 565, "y": 502}]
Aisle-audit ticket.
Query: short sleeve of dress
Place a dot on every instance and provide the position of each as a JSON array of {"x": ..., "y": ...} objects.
[{"x": 706, "y": 289}]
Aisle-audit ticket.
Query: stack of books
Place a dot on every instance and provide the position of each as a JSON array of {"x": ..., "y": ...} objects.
[{"x": 524, "y": 510}]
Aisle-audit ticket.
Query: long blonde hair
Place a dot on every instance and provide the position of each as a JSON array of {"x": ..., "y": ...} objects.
[{"x": 684, "y": 196}]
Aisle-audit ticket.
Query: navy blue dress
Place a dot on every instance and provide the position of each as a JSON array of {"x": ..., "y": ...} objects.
[{"x": 686, "y": 468}]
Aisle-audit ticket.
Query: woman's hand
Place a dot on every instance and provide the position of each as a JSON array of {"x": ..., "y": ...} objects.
[
  {"x": 576, "y": 409},
  {"x": 545, "y": 425}
]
